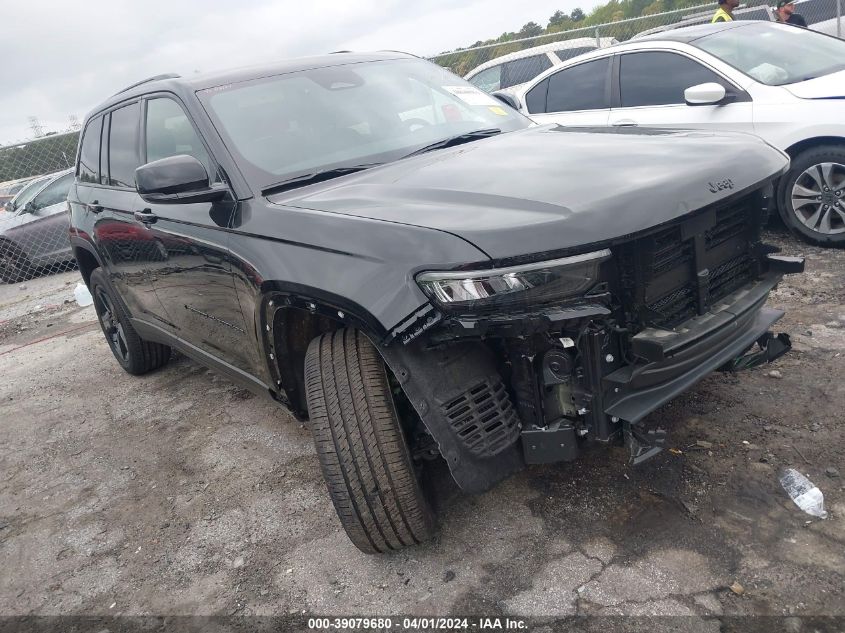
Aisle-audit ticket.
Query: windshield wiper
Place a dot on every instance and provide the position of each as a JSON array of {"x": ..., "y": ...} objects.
[
  {"x": 466, "y": 137},
  {"x": 314, "y": 177}
]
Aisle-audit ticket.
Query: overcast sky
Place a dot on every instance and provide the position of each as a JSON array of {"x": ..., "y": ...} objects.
[{"x": 61, "y": 58}]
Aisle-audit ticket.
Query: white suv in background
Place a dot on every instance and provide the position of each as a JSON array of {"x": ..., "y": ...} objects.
[
  {"x": 513, "y": 69},
  {"x": 783, "y": 83}
]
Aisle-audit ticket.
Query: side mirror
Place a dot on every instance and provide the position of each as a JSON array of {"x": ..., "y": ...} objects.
[
  {"x": 29, "y": 207},
  {"x": 506, "y": 98},
  {"x": 705, "y": 94},
  {"x": 176, "y": 179}
]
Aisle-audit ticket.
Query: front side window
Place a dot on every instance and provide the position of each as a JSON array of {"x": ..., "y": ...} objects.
[
  {"x": 169, "y": 132},
  {"x": 488, "y": 80},
  {"x": 54, "y": 193},
  {"x": 776, "y": 54},
  {"x": 124, "y": 156},
  {"x": 582, "y": 87},
  {"x": 299, "y": 123},
  {"x": 649, "y": 79},
  {"x": 521, "y": 70},
  {"x": 89, "y": 153}
]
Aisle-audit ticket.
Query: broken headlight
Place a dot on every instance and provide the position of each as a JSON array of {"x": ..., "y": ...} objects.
[{"x": 528, "y": 284}]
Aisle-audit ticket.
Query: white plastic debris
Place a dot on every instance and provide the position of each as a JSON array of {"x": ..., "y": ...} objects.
[
  {"x": 803, "y": 492},
  {"x": 82, "y": 295}
]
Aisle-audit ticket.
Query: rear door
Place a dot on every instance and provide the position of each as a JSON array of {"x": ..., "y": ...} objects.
[
  {"x": 46, "y": 231},
  {"x": 106, "y": 187},
  {"x": 574, "y": 96},
  {"x": 651, "y": 89}
]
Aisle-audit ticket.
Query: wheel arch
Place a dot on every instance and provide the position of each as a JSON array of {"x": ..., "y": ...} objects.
[
  {"x": 813, "y": 142},
  {"x": 86, "y": 259},
  {"x": 288, "y": 318}
]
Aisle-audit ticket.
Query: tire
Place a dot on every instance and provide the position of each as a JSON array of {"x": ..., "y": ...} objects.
[
  {"x": 809, "y": 173},
  {"x": 362, "y": 449},
  {"x": 134, "y": 354},
  {"x": 14, "y": 265}
]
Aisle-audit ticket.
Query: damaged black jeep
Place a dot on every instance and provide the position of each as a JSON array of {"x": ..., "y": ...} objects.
[{"x": 419, "y": 271}]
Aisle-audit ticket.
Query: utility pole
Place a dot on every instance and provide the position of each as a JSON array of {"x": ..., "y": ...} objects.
[{"x": 35, "y": 126}]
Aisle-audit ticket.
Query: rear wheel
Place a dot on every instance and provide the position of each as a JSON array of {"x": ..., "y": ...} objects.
[
  {"x": 362, "y": 448},
  {"x": 134, "y": 354},
  {"x": 811, "y": 196}
]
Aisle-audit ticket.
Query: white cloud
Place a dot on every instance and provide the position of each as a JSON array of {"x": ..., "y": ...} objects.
[{"x": 63, "y": 58}]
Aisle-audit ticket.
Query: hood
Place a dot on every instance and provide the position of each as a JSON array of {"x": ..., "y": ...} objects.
[
  {"x": 830, "y": 86},
  {"x": 549, "y": 188}
]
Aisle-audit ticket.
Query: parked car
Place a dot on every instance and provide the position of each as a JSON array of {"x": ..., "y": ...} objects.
[
  {"x": 783, "y": 83},
  {"x": 26, "y": 193},
  {"x": 513, "y": 69},
  {"x": 11, "y": 188},
  {"x": 35, "y": 233},
  {"x": 417, "y": 271}
]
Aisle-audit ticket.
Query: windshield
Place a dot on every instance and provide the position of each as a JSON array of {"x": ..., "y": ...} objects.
[
  {"x": 27, "y": 193},
  {"x": 289, "y": 125},
  {"x": 776, "y": 54}
]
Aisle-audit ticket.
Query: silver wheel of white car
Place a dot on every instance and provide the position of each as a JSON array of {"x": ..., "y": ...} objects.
[
  {"x": 818, "y": 198},
  {"x": 811, "y": 195}
]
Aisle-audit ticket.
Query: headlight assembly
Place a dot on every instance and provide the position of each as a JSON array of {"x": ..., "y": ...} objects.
[{"x": 529, "y": 284}]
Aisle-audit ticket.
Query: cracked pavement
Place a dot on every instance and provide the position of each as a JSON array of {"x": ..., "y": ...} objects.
[{"x": 178, "y": 493}]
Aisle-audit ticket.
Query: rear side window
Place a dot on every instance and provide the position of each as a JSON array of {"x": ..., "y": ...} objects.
[
  {"x": 89, "y": 153},
  {"x": 582, "y": 87},
  {"x": 649, "y": 79},
  {"x": 169, "y": 132},
  {"x": 54, "y": 193},
  {"x": 124, "y": 156},
  {"x": 521, "y": 70},
  {"x": 535, "y": 100}
]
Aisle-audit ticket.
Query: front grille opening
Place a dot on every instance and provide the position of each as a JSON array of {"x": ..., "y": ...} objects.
[{"x": 483, "y": 418}]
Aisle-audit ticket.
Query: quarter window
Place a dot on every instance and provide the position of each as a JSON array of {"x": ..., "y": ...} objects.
[
  {"x": 650, "y": 79},
  {"x": 169, "y": 132},
  {"x": 89, "y": 153},
  {"x": 124, "y": 156},
  {"x": 535, "y": 100},
  {"x": 582, "y": 87}
]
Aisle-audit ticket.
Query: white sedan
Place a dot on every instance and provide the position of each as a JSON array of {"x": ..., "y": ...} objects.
[{"x": 783, "y": 83}]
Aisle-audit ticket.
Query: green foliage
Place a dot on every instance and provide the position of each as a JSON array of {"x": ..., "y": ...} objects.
[
  {"x": 39, "y": 156},
  {"x": 461, "y": 61}
]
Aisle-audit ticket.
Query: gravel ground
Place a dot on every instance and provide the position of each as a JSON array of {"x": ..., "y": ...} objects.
[{"x": 178, "y": 493}]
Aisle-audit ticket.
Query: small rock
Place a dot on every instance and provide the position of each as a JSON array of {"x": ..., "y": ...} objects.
[
  {"x": 704, "y": 444},
  {"x": 239, "y": 562},
  {"x": 775, "y": 374},
  {"x": 768, "y": 428},
  {"x": 22, "y": 287},
  {"x": 737, "y": 588},
  {"x": 264, "y": 592},
  {"x": 830, "y": 471},
  {"x": 815, "y": 426},
  {"x": 288, "y": 571},
  {"x": 809, "y": 332},
  {"x": 449, "y": 576}
]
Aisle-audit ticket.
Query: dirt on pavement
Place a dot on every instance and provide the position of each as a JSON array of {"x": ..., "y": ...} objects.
[{"x": 179, "y": 493}]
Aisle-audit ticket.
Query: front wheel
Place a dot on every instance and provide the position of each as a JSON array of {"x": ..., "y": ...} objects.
[
  {"x": 362, "y": 449},
  {"x": 811, "y": 196},
  {"x": 134, "y": 354}
]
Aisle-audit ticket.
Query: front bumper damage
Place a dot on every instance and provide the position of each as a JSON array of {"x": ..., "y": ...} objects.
[{"x": 500, "y": 392}]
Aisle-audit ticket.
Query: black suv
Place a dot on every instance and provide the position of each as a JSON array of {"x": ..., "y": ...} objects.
[{"x": 418, "y": 270}]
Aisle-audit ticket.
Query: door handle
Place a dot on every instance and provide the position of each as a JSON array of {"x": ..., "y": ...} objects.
[
  {"x": 145, "y": 216},
  {"x": 624, "y": 123},
  {"x": 94, "y": 207}
]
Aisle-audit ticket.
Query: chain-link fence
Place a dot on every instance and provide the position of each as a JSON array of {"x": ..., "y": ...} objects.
[
  {"x": 34, "y": 180},
  {"x": 513, "y": 61}
]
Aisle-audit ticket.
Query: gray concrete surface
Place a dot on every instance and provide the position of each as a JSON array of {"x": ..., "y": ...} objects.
[{"x": 178, "y": 493}]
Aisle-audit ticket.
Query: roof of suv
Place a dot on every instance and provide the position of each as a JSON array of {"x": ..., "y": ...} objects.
[{"x": 181, "y": 85}]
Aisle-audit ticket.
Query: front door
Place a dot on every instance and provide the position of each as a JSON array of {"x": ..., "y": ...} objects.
[
  {"x": 651, "y": 94},
  {"x": 192, "y": 276}
]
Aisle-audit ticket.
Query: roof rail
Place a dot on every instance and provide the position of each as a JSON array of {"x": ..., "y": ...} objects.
[{"x": 149, "y": 79}]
